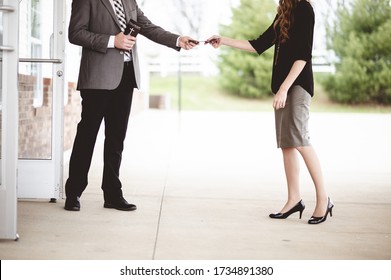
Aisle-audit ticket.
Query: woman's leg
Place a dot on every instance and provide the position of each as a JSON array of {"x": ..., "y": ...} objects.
[
  {"x": 292, "y": 172},
  {"x": 313, "y": 165}
]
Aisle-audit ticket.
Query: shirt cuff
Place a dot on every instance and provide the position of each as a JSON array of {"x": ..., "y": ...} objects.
[
  {"x": 111, "y": 43},
  {"x": 177, "y": 42}
]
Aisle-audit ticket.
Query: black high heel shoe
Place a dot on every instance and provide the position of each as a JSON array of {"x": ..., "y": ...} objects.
[
  {"x": 317, "y": 220},
  {"x": 299, "y": 207}
]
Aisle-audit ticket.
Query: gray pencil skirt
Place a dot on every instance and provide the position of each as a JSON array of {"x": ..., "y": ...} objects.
[{"x": 292, "y": 121}]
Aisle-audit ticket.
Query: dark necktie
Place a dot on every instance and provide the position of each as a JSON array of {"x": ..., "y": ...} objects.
[{"x": 119, "y": 11}]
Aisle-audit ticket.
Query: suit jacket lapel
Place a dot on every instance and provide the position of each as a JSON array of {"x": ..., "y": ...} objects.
[{"x": 109, "y": 8}]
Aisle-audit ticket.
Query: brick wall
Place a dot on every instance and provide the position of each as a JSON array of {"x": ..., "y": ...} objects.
[
  {"x": 34, "y": 123},
  {"x": 35, "y": 126}
]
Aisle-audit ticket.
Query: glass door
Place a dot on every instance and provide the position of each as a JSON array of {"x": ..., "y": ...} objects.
[
  {"x": 41, "y": 91},
  {"x": 8, "y": 117}
]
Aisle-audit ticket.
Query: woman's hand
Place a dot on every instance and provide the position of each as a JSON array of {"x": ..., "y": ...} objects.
[
  {"x": 279, "y": 100},
  {"x": 214, "y": 41}
]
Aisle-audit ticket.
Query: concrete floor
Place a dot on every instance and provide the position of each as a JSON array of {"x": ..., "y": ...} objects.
[{"x": 205, "y": 183}]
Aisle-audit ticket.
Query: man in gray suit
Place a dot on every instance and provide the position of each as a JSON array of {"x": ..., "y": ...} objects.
[{"x": 109, "y": 71}]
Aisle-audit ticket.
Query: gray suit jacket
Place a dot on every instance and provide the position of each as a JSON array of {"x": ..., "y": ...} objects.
[{"x": 91, "y": 25}]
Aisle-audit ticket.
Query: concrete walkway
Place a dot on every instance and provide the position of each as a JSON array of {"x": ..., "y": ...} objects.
[{"x": 205, "y": 183}]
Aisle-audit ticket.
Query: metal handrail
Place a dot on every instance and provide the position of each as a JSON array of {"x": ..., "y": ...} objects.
[
  {"x": 38, "y": 60},
  {"x": 7, "y": 8},
  {"x": 41, "y": 60},
  {"x": 7, "y": 48}
]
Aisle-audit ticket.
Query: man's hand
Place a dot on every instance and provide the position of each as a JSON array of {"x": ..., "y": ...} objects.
[
  {"x": 124, "y": 42},
  {"x": 187, "y": 43}
]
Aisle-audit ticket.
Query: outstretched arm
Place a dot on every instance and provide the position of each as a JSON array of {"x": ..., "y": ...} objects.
[
  {"x": 216, "y": 41},
  {"x": 162, "y": 36}
]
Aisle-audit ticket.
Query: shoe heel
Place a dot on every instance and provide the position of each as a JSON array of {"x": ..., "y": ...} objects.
[
  {"x": 318, "y": 220},
  {"x": 299, "y": 207},
  {"x": 301, "y": 213},
  {"x": 330, "y": 207}
]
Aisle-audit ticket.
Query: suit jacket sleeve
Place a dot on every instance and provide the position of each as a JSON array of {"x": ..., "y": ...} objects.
[
  {"x": 81, "y": 32},
  {"x": 156, "y": 33}
]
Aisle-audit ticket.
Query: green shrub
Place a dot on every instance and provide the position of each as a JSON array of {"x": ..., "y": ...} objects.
[
  {"x": 243, "y": 73},
  {"x": 361, "y": 39}
]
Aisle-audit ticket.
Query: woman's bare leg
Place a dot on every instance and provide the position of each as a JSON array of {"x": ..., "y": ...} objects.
[
  {"x": 313, "y": 165},
  {"x": 292, "y": 173}
]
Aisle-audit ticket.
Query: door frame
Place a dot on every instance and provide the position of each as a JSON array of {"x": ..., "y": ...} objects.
[
  {"x": 12, "y": 176},
  {"x": 9, "y": 145},
  {"x": 43, "y": 179}
]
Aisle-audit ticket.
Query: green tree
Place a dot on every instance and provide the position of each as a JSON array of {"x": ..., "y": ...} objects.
[
  {"x": 243, "y": 73},
  {"x": 361, "y": 39}
]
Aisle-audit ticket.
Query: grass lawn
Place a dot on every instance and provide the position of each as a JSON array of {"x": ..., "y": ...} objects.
[{"x": 200, "y": 93}]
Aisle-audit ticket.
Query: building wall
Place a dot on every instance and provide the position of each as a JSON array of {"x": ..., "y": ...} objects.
[
  {"x": 72, "y": 112},
  {"x": 35, "y": 125}
]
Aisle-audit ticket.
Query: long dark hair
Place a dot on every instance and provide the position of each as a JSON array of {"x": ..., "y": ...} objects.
[{"x": 285, "y": 19}]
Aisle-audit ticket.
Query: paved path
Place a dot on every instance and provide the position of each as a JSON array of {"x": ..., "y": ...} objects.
[{"x": 205, "y": 183}]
